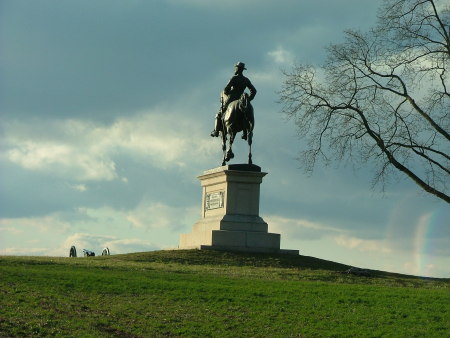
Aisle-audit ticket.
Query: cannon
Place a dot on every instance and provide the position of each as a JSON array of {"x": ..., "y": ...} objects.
[{"x": 88, "y": 253}]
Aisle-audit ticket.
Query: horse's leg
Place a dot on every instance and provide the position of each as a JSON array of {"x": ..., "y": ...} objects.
[
  {"x": 224, "y": 147},
  {"x": 250, "y": 141},
  {"x": 230, "y": 154}
]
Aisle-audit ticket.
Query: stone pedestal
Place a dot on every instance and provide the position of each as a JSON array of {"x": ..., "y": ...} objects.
[{"x": 230, "y": 213}]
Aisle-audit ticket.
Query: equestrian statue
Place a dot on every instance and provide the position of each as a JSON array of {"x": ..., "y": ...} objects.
[{"x": 235, "y": 113}]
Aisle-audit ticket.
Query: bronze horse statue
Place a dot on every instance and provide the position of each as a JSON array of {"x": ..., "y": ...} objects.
[{"x": 237, "y": 117}]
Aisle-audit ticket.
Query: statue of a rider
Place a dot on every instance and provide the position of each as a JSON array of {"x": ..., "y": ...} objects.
[{"x": 233, "y": 91}]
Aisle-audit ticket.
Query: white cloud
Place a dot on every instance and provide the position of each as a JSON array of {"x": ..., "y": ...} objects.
[
  {"x": 147, "y": 215},
  {"x": 11, "y": 230},
  {"x": 281, "y": 56},
  {"x": 94, "y": 228},
  {"x": 47, "y": 224},
  {"x": 300, "y": 228},
  {"x": 270, "y": 75},
  {"x": 267, "y": 76},
  {"x": 155, "y": 215},
  {"x": 69, "y": 160},
  {"x": 84, "y": 151},
  {"x": 79, "y": 187},
  {"x": 86, "y": 240},
  {"x": 362, "y": 245},
  {"x": 23, "y": 251},
  {"x": 168, "y": 139}
]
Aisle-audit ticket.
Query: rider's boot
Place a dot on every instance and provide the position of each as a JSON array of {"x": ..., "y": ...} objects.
[{"x": 215, "y": 132}]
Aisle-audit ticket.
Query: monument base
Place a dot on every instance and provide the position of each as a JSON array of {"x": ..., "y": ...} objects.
[{"x": 230, "y": 213}]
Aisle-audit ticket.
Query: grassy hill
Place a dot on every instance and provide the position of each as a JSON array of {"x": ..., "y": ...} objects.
[{"x": 185, "y": 293}]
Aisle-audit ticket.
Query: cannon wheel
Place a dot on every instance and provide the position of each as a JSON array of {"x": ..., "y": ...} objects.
[{"x": 73, "y": 251}]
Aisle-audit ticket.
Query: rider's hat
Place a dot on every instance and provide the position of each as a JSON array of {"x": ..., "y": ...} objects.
[{"x": 240, "y": 65}]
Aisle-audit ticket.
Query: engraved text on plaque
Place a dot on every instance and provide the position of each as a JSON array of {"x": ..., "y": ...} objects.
[{"x": 214, "y": 200}]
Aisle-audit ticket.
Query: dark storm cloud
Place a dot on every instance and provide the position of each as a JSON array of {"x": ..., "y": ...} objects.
[{"x": 97, "y": 60}]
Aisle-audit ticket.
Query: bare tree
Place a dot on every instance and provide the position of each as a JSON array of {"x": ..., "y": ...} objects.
[{"x": 381, "y": 97}]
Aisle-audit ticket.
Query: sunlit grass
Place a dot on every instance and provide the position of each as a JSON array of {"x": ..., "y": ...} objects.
[{"x": 206, "y": 293}]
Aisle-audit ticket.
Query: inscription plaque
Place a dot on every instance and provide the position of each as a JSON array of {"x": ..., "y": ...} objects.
[{"x": 214, "y": 200}]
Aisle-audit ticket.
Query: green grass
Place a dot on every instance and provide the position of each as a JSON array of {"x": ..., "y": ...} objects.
[{"x": 216, "y": 294}]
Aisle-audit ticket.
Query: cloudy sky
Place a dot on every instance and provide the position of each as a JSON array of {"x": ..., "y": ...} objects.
[{"x": 105, "y": 113}]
